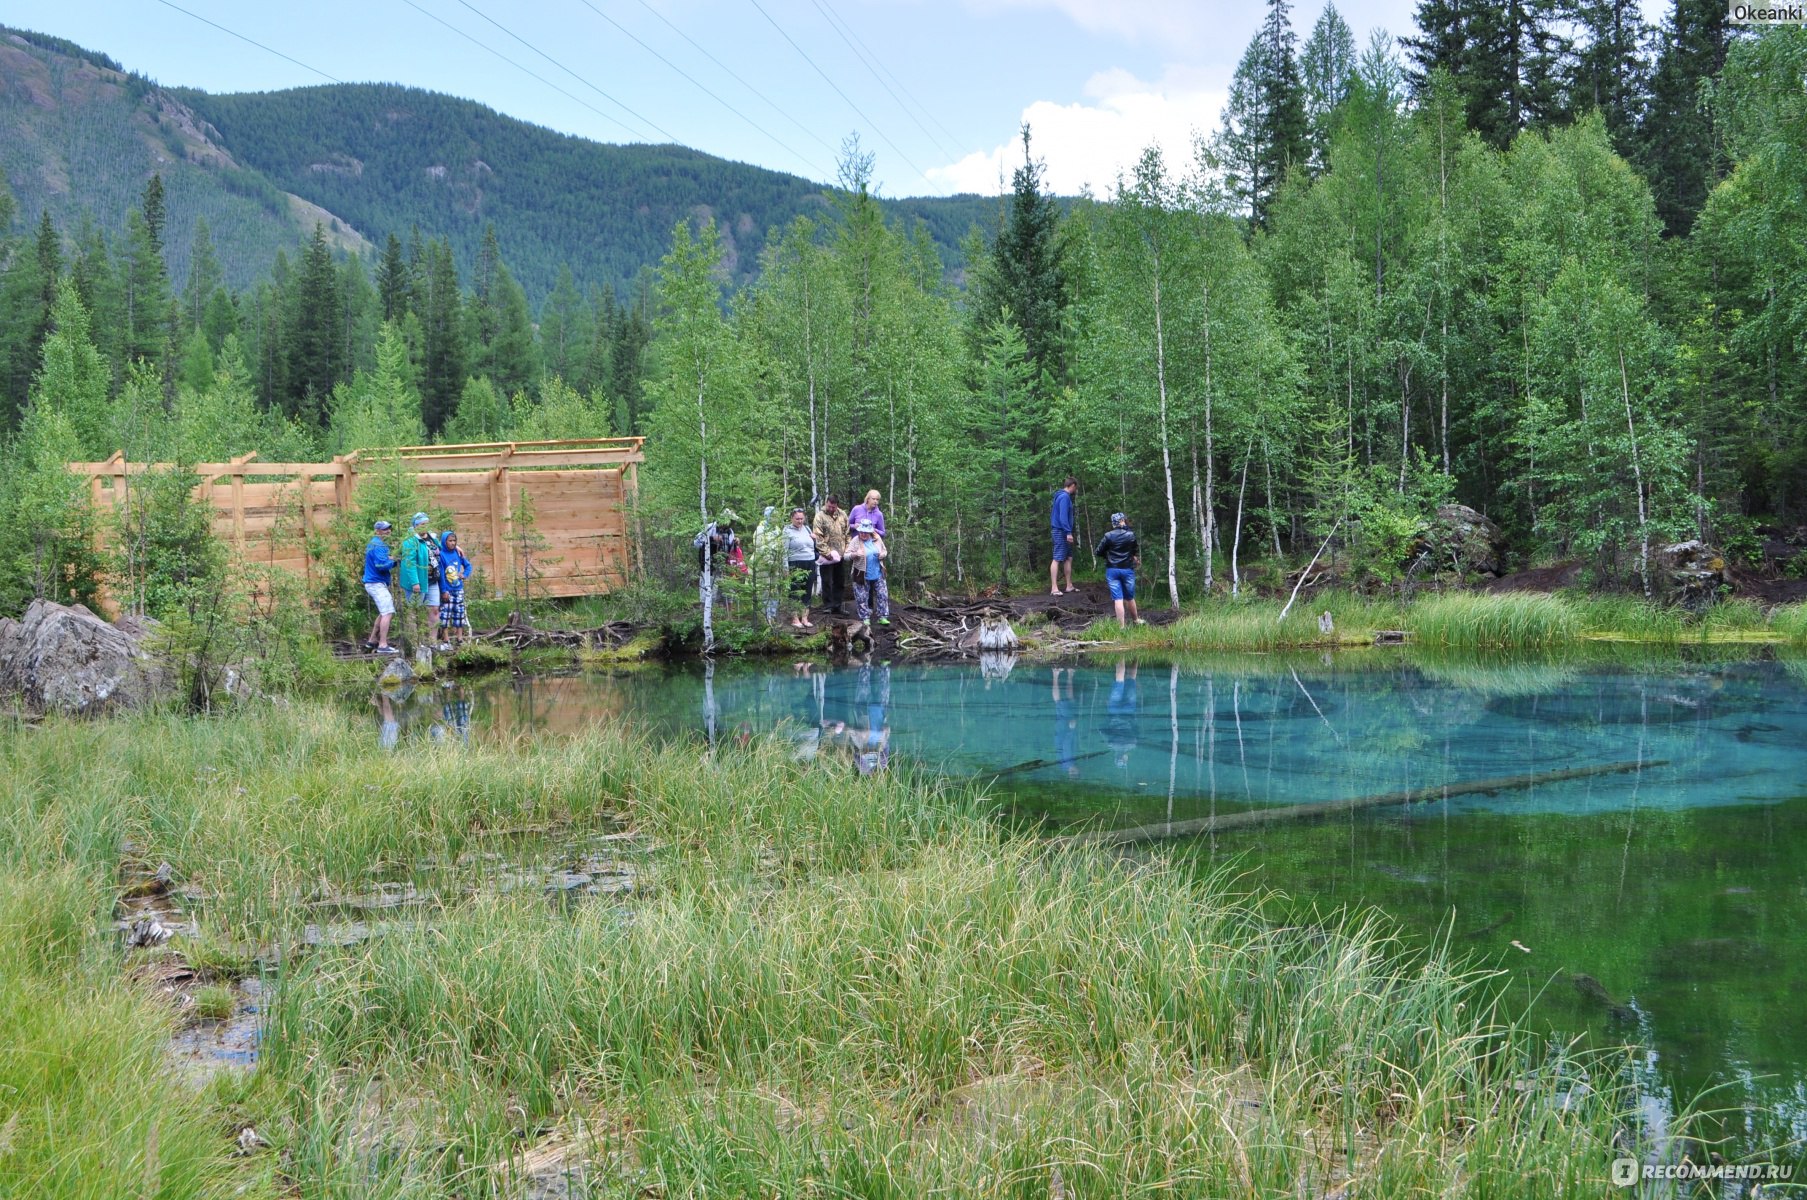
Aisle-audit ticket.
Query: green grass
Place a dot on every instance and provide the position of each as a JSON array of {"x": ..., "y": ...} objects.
[
  {"x": 827, "y": 985},
  {"x": 1456, "y": 621}
]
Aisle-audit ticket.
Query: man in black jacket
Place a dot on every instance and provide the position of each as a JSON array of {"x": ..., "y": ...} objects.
[{"x": 1121, "y": 557}]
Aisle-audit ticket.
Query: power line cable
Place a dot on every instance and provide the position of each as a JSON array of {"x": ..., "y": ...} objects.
[
  {"x": 872, "y": 69},
  {"x": 573, "y": 74},
  {"x": 837, "y": 89},
  {"x": 616, "y": 122},
  {"x": 730, "y": 72},
  {"x": 250, "y": 41},
  {"x": 894, "y": 79},
  {"x": 697, "y": 83}
]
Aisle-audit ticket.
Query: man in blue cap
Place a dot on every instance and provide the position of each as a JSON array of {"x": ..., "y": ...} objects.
[
  {"x": 1121, "y": 555},
  {"x": 377, "y": 568}
]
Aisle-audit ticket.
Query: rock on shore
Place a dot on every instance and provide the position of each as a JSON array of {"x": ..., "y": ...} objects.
[{"x": 64, "y": 659}]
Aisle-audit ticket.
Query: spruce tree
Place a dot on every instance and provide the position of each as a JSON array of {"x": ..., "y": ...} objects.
[
  {"x": 314, "y": 358},
  {"x": 1677, "y": 145},
  {"x": 1326, "y": 67},
  {"x": 1609, "y": 71},
  {"x": 27, "y": 295},
  {"x": 146, "y": 290},
  {"x": 1282, "y": 98},
  {"x": 393, "y": 280},
  {"x": 155, "y": 213},
  {"x": 204, "y": 276},
  {"x": 442, "y": 370},
  {"x": 1027, "y": 276}
]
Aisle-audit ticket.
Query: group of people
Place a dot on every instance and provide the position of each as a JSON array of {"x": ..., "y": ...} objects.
[
  {"x": 1121, "y": 553},
  {"x": 430, "y": 572},
  {"x": 837, "y": 549},
  {"x": 833, "y": 550}
]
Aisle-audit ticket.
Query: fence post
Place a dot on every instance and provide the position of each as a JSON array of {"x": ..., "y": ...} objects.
[{"x": 499, "y": 512}]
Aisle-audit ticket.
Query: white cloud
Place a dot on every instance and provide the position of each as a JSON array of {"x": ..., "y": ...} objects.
[{"x": 1093, "y": 141}]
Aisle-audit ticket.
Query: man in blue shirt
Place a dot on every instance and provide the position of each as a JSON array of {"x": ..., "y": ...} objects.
[
  {"x": 377, "y": 566},
  {"x": 1061, "y": 528}
]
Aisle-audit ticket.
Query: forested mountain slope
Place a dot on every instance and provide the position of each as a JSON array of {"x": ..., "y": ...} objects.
[
  {"x": 388, "y": 158},
  {"x": 80, "y": 136}
]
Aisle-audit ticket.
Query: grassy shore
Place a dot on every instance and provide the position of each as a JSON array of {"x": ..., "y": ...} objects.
[
  {"x": 823, "y": 986},
  {"x": 1458, "y": 621}
]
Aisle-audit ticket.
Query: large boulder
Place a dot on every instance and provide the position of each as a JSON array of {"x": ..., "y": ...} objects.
[
  {"x": 64, "y": 659},
  {"x": 1466, "y": 541}
]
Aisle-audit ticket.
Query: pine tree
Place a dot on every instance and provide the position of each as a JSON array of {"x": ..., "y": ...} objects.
[
  {"x": 1326, "y": 67},
  {"x": 564, "y": 335},
  {"x": 1677, "y": 143}
]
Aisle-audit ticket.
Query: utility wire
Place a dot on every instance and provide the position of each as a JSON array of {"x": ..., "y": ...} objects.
[
  {"x": 729, "y": 71},
  {"x": 573, "y": 74},
  {"x": 952, "y": 136},
  {"x": 871, "y": 64},
  {"x": 250, "y": 41},
  {"x": 697, "y": 83},
  {"x": 616, "y": 122},
  {"x": 837, "y": 89}
]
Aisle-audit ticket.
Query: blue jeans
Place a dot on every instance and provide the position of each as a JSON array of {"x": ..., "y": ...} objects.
[{"x": 1121, "y": 581}]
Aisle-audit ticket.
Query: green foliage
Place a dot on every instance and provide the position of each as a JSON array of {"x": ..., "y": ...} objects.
[{"x": 164, "y": 556}]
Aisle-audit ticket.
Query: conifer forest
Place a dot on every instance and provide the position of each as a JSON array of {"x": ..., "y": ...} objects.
[{"x": 1533, "y": 257}]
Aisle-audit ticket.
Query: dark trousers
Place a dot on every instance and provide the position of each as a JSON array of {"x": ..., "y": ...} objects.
[{"x": 834, "y": 584}]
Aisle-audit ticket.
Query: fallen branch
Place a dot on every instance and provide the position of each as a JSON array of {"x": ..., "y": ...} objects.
[
  {"x": 1307, "y": 570},
  {"x": 1332, "y": 808}
]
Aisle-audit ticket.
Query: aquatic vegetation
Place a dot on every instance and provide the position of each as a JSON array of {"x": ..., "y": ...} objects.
[
  {"x": 1472, "y": 619},
  {"x": 826, "y": 976}
]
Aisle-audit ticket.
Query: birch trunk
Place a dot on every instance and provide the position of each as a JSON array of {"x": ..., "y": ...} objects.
[
  {"x": 1637, "y": 475},
  {"x": 1160, "y": 369}
]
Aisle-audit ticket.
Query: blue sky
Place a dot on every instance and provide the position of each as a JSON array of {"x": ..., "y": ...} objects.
[{"x": 936, "y": 89}]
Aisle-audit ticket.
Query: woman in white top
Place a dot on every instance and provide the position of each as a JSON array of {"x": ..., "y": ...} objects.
[{"x": 800, "y": 557}]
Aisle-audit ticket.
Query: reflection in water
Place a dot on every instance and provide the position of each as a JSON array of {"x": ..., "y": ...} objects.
[{"x": 1665, "y": 907}]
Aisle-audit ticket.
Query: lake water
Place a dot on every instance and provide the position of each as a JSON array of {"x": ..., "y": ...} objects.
[{"x": 1676, "y": 890}]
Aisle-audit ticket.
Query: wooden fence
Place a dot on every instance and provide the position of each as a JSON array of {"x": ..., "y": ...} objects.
[{"x": 582, "y": 495}]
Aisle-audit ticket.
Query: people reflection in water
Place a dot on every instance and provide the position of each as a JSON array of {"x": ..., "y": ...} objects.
[
  {"x": 391, "y": 730},
  {"x": 1121, "y": 711},
  {"x": 872, "y": 745},
  {"x": 1066, "y": 724},
  {"x": 455, "y": 711}
]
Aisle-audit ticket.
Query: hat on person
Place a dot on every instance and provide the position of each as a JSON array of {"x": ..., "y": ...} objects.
[
  {"x": 1119, "y": 519},
  {"x": 420, "y": 519},
  {"x": 448, "y": 535},
  {"x": 769, "y": 510},
  {"x": 728, "y": 517},
  {"x": 381, "y": 526},
  {"x": 865, "y": 527}
]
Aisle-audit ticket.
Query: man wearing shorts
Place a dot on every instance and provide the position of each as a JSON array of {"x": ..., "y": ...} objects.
[
  {"x": 377, "y": 567},
  {"x": 1061, "y": 530},
  {"x": 1121, "y": 557}
]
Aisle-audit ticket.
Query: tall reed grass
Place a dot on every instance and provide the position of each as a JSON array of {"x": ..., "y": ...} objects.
[{"x": 831, "y": 985}]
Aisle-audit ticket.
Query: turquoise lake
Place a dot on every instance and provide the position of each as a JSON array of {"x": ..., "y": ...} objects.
[{"x": 1662, "y": 907}]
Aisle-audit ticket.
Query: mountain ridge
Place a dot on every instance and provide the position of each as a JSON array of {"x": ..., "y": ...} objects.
[{"x": 365, "y": 160}]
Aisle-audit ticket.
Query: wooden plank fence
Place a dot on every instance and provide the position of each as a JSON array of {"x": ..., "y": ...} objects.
[{"x": 582, "y": 492}]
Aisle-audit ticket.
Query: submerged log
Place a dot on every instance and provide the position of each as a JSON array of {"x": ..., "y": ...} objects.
[{"x": 1332, "y": 808}]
